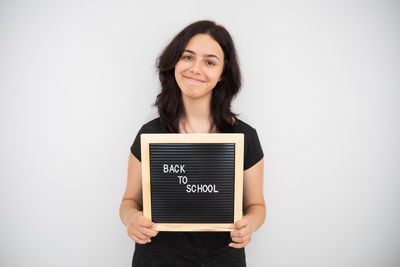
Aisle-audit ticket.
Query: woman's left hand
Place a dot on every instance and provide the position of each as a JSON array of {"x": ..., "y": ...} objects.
[{"x": 241, "y": 235}]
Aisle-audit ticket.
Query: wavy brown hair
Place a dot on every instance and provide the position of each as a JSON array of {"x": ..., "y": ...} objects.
[{"x": 169, "y": 100}]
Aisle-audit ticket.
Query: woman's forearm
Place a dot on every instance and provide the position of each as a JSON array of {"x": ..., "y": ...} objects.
[
  {"x": 127, "y": 209},
  {"x": 256, "y": 215}
]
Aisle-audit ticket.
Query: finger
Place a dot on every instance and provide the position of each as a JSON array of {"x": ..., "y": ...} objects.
[
  {"x": 238, "y": 239},
  {"x": 241, "y": 239},
  {"x": 145, "y": 223},
  {"x": 149, "y": 232},
  {"x": 138, "y": 234},
  {"x": 240, "y": 233},
  {"x": 238, "y": 245},
  {"x": 246, "y": 238},
  {"x": 140, "y": 241},
  {"x": 137, "y": 239},
  {"x": 241, "y": 223}
]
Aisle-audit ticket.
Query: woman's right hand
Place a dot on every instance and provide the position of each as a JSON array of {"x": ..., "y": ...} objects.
[{"x": 141, "y": 229}]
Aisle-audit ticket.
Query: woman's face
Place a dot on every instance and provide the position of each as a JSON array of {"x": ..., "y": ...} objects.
[{"x": 200, "y": 67}]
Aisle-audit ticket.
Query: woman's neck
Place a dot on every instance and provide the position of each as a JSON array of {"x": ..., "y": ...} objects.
[{"x": 197, "y": 117}]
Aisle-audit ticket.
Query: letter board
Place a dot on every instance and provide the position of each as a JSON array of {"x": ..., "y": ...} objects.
[{"x": 192, "y": 182}]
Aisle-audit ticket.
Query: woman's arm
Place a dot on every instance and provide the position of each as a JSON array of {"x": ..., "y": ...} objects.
[
  {"x": 253, "y": 206},
  {"x": 139, "y": 228}
]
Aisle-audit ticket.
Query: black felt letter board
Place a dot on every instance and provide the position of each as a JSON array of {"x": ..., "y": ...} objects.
[{"x": 206, "y": 195}]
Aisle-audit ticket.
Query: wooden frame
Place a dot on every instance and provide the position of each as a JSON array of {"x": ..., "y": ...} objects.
[{"x": 237, "y": 138}]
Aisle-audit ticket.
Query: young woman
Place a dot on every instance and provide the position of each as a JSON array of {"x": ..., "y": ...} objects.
[{"x": 199, "y": 75}]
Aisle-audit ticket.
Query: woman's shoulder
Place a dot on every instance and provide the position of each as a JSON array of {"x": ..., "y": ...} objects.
[
  {"x": 252, "y": 147},
  {"x": 152, "y": 126},
  {"x": 243, "y": 127}
]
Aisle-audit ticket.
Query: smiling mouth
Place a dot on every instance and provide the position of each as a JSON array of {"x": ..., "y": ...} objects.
[{"x": 193, "y": 80}]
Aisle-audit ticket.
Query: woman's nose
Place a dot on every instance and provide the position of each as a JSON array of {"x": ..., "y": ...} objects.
[{"x": 196, "y": 66}]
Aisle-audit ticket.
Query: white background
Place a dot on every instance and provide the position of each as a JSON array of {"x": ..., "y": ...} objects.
[{"x": 321, "y": 86}]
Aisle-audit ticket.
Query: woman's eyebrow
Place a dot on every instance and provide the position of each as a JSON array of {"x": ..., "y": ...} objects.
[{"x": 192, "y": 52}]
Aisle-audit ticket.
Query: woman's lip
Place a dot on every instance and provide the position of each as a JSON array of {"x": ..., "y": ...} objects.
[{"x": 193, "y": 79}]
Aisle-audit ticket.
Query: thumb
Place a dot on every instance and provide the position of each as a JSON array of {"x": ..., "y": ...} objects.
[{"x": 241, "y": 223}]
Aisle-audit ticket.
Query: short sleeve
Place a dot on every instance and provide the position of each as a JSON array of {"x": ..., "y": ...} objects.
[
  {"x": 153, "y": 126},
  {"x": 253, "y": 150},
  {"x": 135, "y": 148}
]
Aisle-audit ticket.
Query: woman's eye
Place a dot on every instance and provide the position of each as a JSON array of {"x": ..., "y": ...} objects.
[
  {"x": 187, "y": 57},
  {"x": 208, "y": 62}
]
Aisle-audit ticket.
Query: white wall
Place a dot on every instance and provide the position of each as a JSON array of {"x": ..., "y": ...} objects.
[{"x": 321, "y": 86}]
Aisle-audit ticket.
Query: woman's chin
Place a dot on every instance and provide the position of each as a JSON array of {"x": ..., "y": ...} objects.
[{"x": 197, "y": 96}]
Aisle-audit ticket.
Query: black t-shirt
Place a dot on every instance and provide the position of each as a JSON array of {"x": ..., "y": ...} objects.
[
  {"x": 194, "y": 248},
  {"x": 252, "y": 147}
]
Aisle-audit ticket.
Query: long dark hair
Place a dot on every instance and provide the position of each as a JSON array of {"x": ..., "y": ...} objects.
[{"x": 169, "y": 100}]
